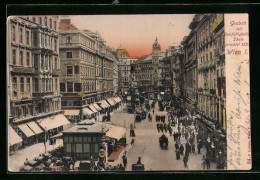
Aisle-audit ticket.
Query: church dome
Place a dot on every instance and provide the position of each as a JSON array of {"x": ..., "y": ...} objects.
[{"x": 122, "y": 53}]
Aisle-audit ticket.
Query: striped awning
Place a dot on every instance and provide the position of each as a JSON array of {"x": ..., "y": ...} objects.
[
  {"x": 97, "y": 106},
  {"x": 87, "y": 111},
  {"x": 34, "y": 127},
  {"x": 26, "y": 130},
  {"x": 92, "y": 108},
  {"x": 13, "y": 137},
  {"x": 111, "y": 101},
  {"x": 71, "y": 112},
  {"x": 53, "y": 122}
]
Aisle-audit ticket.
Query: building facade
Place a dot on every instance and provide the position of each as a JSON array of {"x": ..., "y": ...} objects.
[
  {"x": 124, "y": 70},
  {"x": 154, "y": 73},
  {"x": 211, "y": 68},
  {"x": 33, "y": 74},
  {"x": 176, "y": 72},
  {"x": 88, "y": 67}
]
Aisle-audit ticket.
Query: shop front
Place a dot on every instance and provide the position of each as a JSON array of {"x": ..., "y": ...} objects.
[{"x": 14, "y": 140}]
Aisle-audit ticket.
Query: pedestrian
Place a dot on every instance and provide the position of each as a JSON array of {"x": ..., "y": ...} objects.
[
  {"x": 176, "y": 145},
  {"x": 185, "y": 160},
  {"x": 177, "y": 153},
  {"x": 124, "y": 161},
  {"x": 153, "y": 111},
  {"x": 193, "y": 147},
  {"x": 199, "y": 146},
  {"x": 92, "y": 163},
  {"x": 174, "y": 136},
  {"x": 170, "y": 131},
  {"x": 204, "y": 162},
  {"x": 158, "y": 127},
  {"x": 208, "y": 162},
  {"x": 181, "y": 149}
]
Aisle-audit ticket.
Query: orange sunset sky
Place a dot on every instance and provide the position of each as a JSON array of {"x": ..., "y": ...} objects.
[{"x": 136, "y": 33}]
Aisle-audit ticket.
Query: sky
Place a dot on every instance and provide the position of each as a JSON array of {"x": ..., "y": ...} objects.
[{"x": 136, "y": 33}]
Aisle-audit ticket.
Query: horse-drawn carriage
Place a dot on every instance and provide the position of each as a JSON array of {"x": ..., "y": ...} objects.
[
  {"x": 163, "y": 140},
  {"x": 140, "y": 115}
]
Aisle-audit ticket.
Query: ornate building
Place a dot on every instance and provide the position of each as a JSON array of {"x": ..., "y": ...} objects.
[
  {"x": 88, "y": 67},
  {"x": 154, "y": 73},
  {"x": 124, "y": 68},
  {"x": 33, "y": 70}
]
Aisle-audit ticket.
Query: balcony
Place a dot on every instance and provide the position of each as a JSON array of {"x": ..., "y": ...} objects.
[
  {"x": 46, "y": 51},
  {"x": 23, "y": 70},
  {"x": 56, "y": 72},
  {"x": 42, "y": 94}
]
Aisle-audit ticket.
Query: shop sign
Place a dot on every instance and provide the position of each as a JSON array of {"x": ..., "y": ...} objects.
[
  {"x": 57, "y": 72},
  {"x": 46, "y": 51},
  {"x": 23, "y": 70},
  {"x": 24, "y": 95},
  {"x": 217, "y": 22},
  {"x": 102, "y": 153}
]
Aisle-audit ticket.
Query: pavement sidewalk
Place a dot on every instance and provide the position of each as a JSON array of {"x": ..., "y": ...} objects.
[{"x": 16, "y": 161}]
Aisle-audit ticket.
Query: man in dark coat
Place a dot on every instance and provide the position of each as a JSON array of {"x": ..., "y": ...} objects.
[
  {"x": 176, "y": 145},
  {"x": 174, "y": 136},
  {"x": 185, "y": 160},
  {"x": 199, "y": 146},
  {"x": 177, "y": 153},
  {"x": 193, "y": 147},
  {"x": 158, "y": 127},
  {"x": 124, "y": 161},
  {"x": 181, "y": 149}
]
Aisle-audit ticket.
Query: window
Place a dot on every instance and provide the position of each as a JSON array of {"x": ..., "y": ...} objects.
[
  {"x": 45, "y": 40},
  {"x": 42, "y": 85},
  {"x": 68, "y": 39},
  {"x": 69, "y": 54},
  {"x": 21, "y": 58},
  {"x": 40, "y": 20},
  {"x": 35, "y": 38},
  {"x": 50, "y": 23},
  {"x": 62, "y": 87},
  {"x": 55, "y": 28},
  {"x": 86, "y": 148},
  {"x": 68, "y": 148},
  {"x": 69, "y": 87},
  {"x": 21, "y": 35},
  {"x": 13, "y": 33},
  {"x": 14, "y": 56},
  {"x": 15, "y": 86},
  {"x": 28, "y": 84},
  {"x": 77, "y": 87},
  {"x": 56, "y": 84},
  {"x": 33, "y": 19},
  {"x": 42, "y": 42},
  {"x": 22, "y": 84},
  {"x": 69, "y": 70},
  {"x": 50, "y": 64},
  {"x": 36, "y": 85},
  {"x": 28, "y": 59},
  {"x": 55, "y": 45},
  {"x": 55, "y": 64},
  {"x": 76, "y": 69},
  {"x": 45, "y": 21}
]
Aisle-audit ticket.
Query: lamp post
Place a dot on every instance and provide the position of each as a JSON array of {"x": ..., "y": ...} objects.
[{"x": 45, "y": 139}]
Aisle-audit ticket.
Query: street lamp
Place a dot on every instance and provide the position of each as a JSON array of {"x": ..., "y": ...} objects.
[{"x": 45, "y": 139}]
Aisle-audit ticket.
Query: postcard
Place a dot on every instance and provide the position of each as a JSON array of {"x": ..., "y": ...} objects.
[{"x": 150, "y": 92}]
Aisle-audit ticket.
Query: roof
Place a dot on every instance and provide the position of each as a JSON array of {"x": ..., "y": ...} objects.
[
  {"x": 65, "y": 24},
  {"x": 148, "y": 57},
  {"x": 87, "y": 128},
  {"x": 120, "y": 52},
  {"x": 115, "y": 132}
]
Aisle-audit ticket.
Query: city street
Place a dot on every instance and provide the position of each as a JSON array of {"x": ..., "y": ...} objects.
[{"x": 146, "y": 146}]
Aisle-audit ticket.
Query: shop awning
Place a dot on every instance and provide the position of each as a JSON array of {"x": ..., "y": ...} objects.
[
  {"x": 36, "y": 129},
  {"x": 115, "y": 132},
  {"x": 26, "y": 130},
  {"x": 111, "y": 101},
  {"x": 118, "y": 99},
  {"x": 71, "y": 112},
  {"x": 63, "y": 120},
  {"x": 87, "y": 111},
  {"x": 92, "y": 108},
  {"x": 57, "y": 136},
  {"x": 105, "y": 102},
  {"x": 13, "y": 137},
  {"x": 96, "y": 106},
  {"x": 53, "y": 122}
]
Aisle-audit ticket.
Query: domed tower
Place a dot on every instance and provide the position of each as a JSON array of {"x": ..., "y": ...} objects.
[
  {"x": 156, "y": 48},
  {"x": 156, "y": 53}
]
